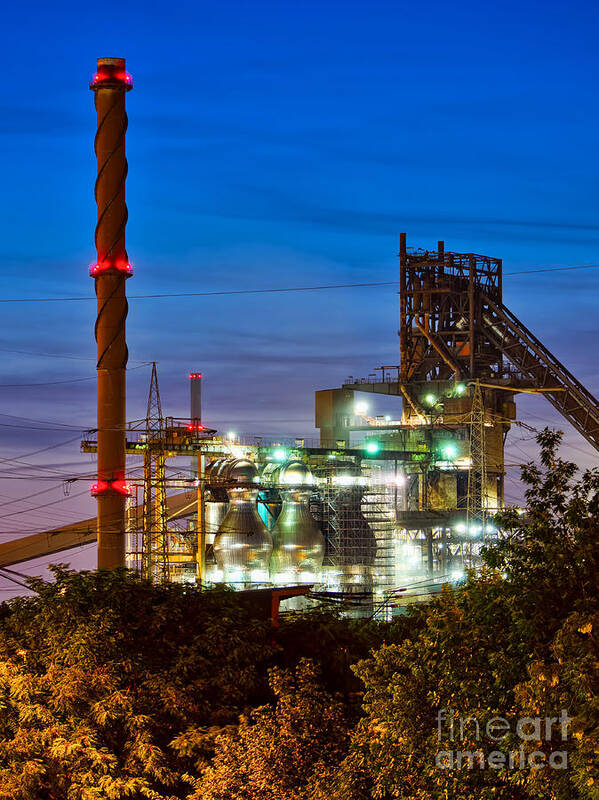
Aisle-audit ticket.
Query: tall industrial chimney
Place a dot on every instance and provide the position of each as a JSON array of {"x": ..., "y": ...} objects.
[
  {"x": 195, "y": 397},
  {"x": 110, "y": 84}
]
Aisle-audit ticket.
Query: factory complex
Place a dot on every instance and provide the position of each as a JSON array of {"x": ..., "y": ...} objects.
[{"x": 379, "y": 511}]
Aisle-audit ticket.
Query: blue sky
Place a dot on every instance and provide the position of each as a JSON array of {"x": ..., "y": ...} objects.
[{"x": 285, "y": 144}]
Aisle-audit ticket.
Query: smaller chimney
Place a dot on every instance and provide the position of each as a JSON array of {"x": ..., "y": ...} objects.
[{"x": 195, "y": 395}]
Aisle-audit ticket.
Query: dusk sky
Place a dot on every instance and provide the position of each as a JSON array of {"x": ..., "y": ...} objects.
[{"x": 279, "y": 145}]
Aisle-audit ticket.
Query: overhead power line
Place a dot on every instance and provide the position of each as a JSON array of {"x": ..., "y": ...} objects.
[
  {"x": 43, "y": 505},
  {"x": 68, "y": 425},
  {"x": 69, "y": 380},
  {"x": 272, "y": 290},
  {"x": 46, "y": 383},
  {"x": 38, "y": 354},
  {"x": 4, "y": 574}
]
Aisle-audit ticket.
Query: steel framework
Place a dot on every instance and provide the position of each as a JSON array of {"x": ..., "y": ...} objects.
[
  {"x": 155, "y": 530},
  {"x": 454, "y": 325},
  {"x": 536, "y": 366},
  {"x": 442, "y": 331},
  {"x": 477, "y": 509}
]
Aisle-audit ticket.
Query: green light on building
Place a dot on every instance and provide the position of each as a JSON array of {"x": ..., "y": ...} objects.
[{"x": 449, "y": 451}]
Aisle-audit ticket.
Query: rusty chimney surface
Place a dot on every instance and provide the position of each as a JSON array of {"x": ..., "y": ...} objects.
[{"x": 110, "y": 85}]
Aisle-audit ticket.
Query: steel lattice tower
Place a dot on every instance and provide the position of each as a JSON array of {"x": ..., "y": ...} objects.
[
  {"x": 477, "y": 475},
  {"x": 155, "y": 545}
]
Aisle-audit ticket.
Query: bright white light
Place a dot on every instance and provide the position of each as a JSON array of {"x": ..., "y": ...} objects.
[
  {"x": 231, "y": 436},
  {"x": 361, "y": 407},
  {"x": 285, "y": 577},
  {"x": 343, "y": 480},
  {"x": 387, "y": 418},
  {"x": 293, "y": 479},
  {"x": 490, "y": 529},
  {"x": 460, "y": 528},
  {"x": 456, "y": 576},
  {"x": 410, "y": 555}
]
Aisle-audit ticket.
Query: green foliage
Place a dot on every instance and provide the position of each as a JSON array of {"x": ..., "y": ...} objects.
[
  {"x": 333, "y": 643},
  {"x": 551, "y": 557},
  {"x": 113, "y": 688},
  {"x": 282, "y": 751},
  {"x": 464, "y": 657},
  {"x": 517, "y": 641},
  {"x": 101, "y": 671}
]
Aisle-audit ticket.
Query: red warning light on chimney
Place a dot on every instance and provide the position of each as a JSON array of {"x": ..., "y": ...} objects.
[
  {"x": 117, "y": 486},
  {"x": 112, "y": 71},
  {"x": 100, "y": 269}
]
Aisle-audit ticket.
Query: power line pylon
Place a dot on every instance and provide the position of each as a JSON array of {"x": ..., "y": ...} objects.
[
  {"x": 155, "y": 533},
  {"x": 477, "y": 475}
]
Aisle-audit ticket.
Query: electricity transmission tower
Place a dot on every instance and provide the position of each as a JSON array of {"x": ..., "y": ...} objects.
[{"x": 155, "y": 533}]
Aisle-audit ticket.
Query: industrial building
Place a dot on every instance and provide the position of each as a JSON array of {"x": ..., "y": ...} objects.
[{"x": 381, "y": 510}]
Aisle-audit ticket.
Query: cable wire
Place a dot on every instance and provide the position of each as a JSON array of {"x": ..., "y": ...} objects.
[{"x": 325, "y": 287}]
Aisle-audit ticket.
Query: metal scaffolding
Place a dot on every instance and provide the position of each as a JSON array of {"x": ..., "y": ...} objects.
[{"x": 356, "y": 512}]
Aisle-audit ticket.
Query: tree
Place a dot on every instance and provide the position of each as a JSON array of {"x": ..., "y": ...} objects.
[
  {"x": 507, "y": 643},
  {"x": 100, "y": 671},
  {"x": 112, "y": 687},
  {"x": 280, "y": 751},
  {"x": 551, "y": 556}
]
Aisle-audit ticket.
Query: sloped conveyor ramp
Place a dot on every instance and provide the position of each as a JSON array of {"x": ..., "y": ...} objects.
[
  {"x": 68, "y": 537},
  {"x": 533, "y": 360}
]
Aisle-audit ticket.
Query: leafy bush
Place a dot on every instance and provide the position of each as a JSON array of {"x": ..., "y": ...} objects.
[
  {"x": 100, "y": 671},
  {"x": 113, "y": 688},
  {"x": 519, "y": 640}
]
